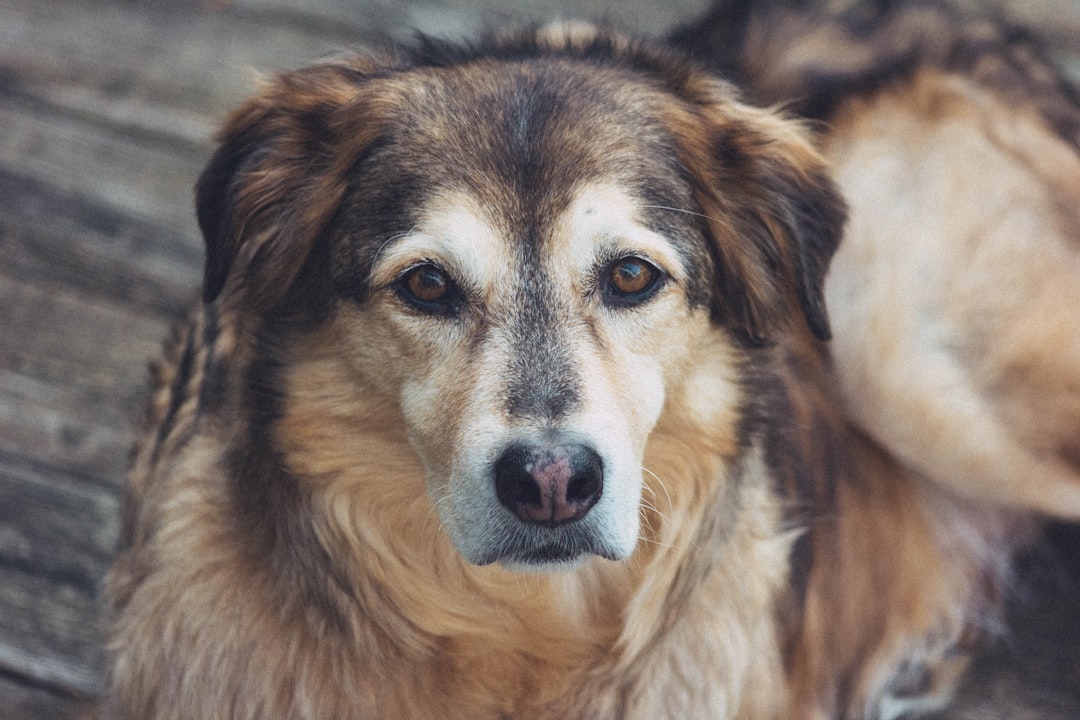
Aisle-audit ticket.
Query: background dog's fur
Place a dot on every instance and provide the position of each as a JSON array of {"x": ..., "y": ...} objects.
[
  {"x": 278, "y": 572},
  {"x": 955, "y": 141}
]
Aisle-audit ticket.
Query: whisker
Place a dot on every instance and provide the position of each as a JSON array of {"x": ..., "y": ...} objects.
[
  {"x": 382, "y": 246},
  {"x": 646, "y": 522},
  {"x": 434, "y": 521},
  {"x": 654, "y": 541},
  {"x": 678, "y": 210},
  {"x": 659, "y": 482}
]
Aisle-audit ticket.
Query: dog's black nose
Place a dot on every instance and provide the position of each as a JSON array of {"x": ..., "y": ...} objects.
[{"x": 549, "y": 485}]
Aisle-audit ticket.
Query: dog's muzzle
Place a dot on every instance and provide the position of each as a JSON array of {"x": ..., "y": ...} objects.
[
  {"x": 549, "y": 509},
  {"x": 549, "y": 485}
]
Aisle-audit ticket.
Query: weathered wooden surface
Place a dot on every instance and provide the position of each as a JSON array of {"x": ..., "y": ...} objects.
[{"x": 107, "y": 109}]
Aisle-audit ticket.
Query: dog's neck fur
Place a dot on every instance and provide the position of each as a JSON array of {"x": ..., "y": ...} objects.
[
  {"x": 546, "y": 639},
  {"x": 404, "y": 619}
]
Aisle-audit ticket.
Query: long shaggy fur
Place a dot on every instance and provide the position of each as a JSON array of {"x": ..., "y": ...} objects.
[
  {"x": 415, "y": 268},
  {"x": 955, "y": 141}
]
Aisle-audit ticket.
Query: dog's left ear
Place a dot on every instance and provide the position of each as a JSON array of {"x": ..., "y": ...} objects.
[
  {"x": 276, "y": 180},
  {"x": 773, "y": 211}
]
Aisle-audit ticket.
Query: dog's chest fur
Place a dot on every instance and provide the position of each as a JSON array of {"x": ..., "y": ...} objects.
[{"x": 388, "y": 627}]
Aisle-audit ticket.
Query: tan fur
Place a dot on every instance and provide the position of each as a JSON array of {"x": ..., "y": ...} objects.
[
  {"x": 964, "y": 210},
  {"x": 309, "y": 527},
  {"x": 955, "y": 141}
]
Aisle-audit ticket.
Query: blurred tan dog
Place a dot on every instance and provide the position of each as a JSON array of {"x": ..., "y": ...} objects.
[
  {"x": 510, "y": 395},
  {"x": 955, "y": 144}
]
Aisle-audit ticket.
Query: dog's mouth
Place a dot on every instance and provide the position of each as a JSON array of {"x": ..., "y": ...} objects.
[
  {"x": 549, "y": 555},
  {"x": 548, "y": 548}
]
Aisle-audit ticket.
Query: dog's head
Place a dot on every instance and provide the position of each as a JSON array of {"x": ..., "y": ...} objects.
[{"x": 527, "y": 250}]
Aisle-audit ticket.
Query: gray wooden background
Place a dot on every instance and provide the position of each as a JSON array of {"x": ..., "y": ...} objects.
[{"x": 106, "y": 112}]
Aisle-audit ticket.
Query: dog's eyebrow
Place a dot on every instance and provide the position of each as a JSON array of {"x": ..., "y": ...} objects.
[
  {"x": 378, "y": 251},
  {"x": 697, "y": 261}
]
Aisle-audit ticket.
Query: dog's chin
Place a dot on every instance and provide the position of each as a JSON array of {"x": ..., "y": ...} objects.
[
  {"x": 486, "y": 533},
  {"x": 541, "y": 555},
  {"x": 539, "y": 564},
  {"x": 553, "y": 559}
]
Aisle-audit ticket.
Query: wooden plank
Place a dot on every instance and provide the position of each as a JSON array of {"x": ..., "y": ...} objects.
[
  {"x": 175, "y": 57},
  {"x": 104, "y": 166},
  {"x": 74, "y": 341},
  {"x": 85, "y": 433},
  {"x": 1058, "y": 20},
  {"x": 56, "y": 538},
  {"x": 54, "y": 240},
  {"x": 72, "y": 378},
  {"x": 22, "y": 701},
  {"x": 71, "y": 54},
  {"x": 467, "y": 17}
]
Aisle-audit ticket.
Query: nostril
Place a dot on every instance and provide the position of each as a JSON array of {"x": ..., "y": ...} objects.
[
  {"x": 582, "y": 488},
  {"x": 549, "y": 485},
  {"x": 514, "y": 485},
  {"x": 587, "y": 482}
]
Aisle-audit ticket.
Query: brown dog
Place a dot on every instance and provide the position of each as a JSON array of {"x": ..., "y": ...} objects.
[
  {"x": 955, "y": 143},
  {"x": 510, "y": 398}
]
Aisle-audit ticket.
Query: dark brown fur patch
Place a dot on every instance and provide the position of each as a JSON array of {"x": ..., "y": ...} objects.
[
  {"x": 812, "y": 57},
  {"x": 278, "y": 178}
]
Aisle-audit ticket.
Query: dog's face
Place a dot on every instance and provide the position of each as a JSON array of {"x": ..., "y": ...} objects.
[
  {"x": 531, "y": 373},
  {"x": 524, "y": 255}
]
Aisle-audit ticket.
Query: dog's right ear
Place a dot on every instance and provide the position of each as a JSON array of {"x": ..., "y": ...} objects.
[
  {"x": 278, "y": 177},
  {"x": 774, "y": 215}
]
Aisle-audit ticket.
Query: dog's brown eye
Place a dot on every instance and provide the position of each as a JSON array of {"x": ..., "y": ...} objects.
[
  {"x": 428, "y": 288},
  {"x": 630, "y": 276},
  {"x": 427, "y": 284},
  {"x": 631, "y": 281}
]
